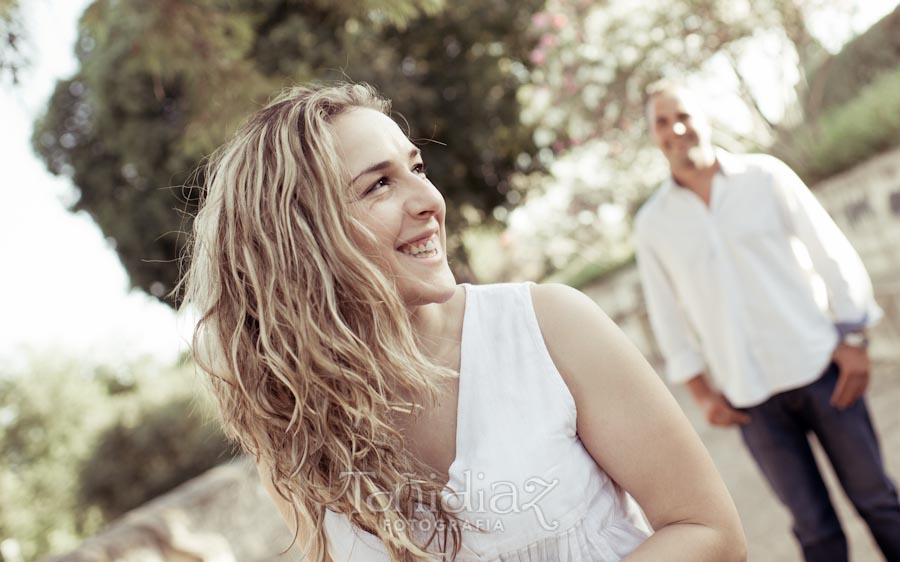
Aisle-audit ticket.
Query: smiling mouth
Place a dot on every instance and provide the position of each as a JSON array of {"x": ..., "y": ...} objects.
[
  {"x": 425, "y": 248},
  {"x": 684, "y": 142}
]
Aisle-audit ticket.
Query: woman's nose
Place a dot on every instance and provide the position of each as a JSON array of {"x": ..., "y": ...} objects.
[{"x": 423, "y": 198}]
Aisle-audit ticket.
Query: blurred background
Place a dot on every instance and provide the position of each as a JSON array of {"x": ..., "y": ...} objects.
[{"x": 530, "y": 117}]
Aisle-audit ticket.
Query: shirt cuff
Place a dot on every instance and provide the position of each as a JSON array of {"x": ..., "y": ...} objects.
[
  {"x": 870, "y": 318},
  {"x": 684, "y": 366}
]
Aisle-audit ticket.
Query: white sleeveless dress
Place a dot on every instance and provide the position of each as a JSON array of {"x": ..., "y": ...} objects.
[{"x": 521, "y": 477}]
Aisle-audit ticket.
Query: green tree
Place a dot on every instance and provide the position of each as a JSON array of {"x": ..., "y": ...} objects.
[
  {"x": 152, "y": 448},
  {"x": 161, "y": 84},
  {"x": 593, "y": 62},
  {"x": 11, "y": 57},
  {"x": 50, "y": 419},
  {"x": 860, "y": 62},
  {"x": 82, "y": 444}
]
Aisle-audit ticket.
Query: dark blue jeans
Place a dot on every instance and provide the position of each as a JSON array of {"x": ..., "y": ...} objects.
[{"x": 777, "y": 438}]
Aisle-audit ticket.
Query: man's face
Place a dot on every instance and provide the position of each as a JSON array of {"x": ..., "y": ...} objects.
[{"x": 680, "y": 129}]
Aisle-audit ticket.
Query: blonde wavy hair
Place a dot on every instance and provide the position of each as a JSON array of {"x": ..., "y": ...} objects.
[{"x": 307, "y": 344}]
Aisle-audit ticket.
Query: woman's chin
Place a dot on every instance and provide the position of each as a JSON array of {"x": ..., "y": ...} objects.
[{"x": 437, "y": 292}]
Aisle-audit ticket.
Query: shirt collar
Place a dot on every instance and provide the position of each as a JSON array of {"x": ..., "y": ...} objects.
[{"x": 729, "y": 164}]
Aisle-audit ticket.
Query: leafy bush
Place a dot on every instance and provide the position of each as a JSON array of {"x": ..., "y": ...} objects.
[
  {"x": 148, "y": 452},
  {"x": 50, "y": 419},
  {"x": 859, "y": 63},
  {"x": 580, "y": 273},
  {"x": 82, "y": 445},
  {"x": 849, "y": 134}
]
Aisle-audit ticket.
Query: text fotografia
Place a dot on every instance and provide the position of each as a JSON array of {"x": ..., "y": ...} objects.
[{"x": 476, "y": 503}]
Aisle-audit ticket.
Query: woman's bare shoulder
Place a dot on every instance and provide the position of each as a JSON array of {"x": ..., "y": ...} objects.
[{"x": 574, "y": 328}]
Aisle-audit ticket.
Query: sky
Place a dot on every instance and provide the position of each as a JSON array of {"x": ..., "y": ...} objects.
[{"x": 63, "y": 291}]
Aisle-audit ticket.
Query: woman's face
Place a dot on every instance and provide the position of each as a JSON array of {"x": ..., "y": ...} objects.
[{"x": 396, "y": 202}]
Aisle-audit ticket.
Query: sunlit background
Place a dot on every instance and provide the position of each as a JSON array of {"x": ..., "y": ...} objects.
[
  {"x": 108, "y": 106},
  {"x": 64, "y": 290}
]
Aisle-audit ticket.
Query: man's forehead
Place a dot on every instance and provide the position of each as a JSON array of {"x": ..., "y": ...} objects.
[{"x": 671, "y": 101}]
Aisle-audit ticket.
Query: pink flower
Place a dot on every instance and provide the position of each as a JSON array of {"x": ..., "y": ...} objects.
[{"x": 540, "y": 20}]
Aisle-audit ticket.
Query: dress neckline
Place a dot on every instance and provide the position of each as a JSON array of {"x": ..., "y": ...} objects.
[{"x": 459, "y": 387}]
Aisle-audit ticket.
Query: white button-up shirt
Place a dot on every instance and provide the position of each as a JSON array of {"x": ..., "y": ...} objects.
[{"x": 749, "y": 289}]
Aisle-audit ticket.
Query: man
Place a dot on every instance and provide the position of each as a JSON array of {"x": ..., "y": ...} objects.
[{"x": 760, "y": 305}]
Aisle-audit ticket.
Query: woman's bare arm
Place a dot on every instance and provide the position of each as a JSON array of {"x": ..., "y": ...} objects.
[{"x": 636, "y": 432}]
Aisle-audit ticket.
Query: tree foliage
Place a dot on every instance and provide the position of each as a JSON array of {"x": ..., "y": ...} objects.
[
  {"x": 850, "y": 106},
  {"x": 849, "y": 133},
  {"x": 11, "y": 57},
  {"x": 82, "y": 444},
  {"x": 593, "y": 62},
  {"x": 156, "y": 446},
  {"x": 839, "y": 78},
  {"x": 49, "y": 422},
  {"x": 161, "y": 84}
]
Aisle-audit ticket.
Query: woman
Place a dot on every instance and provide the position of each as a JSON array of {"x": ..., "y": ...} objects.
[{"x": 397, "y": 415}]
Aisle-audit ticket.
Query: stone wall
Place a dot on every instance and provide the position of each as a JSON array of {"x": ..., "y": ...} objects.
[
  {"x": 224, "y": 515},
  {"x": 864, "y": 202}
]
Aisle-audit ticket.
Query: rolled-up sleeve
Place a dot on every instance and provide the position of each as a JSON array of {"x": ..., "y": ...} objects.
[
  {"x": 850, "y": 294},
  {"x": 674, "y": 335}
]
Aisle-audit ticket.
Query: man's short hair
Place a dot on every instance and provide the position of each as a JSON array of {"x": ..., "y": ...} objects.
[{"x": 659, "y": 87}]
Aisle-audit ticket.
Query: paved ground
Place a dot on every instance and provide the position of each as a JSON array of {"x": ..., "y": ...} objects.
[{"x": 766, "y": 523}]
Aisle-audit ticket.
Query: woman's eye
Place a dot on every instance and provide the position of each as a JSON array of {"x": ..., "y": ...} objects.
[
  {"x": 382, "y": 182},
  {"x": 420, "y": 168}
]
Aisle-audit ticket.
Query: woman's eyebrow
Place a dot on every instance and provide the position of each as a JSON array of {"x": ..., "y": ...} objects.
[{"x": 384, "y": 164}]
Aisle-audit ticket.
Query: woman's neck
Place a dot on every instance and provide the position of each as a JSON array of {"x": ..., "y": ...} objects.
[{"x": 438, "y": 328}]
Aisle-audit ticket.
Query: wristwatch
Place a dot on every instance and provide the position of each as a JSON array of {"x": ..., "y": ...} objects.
[{"x": 855, "y": 339}]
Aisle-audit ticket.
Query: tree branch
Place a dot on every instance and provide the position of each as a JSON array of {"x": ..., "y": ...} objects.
[{"x": 747, "y": 93}]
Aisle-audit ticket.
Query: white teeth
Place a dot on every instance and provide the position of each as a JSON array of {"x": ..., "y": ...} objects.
[{"x": 423, "y": 250}]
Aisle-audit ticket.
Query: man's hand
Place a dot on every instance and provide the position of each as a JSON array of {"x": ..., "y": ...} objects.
[
  {"x": 714, "y": 406},
  {"x": 719, "y": 412},
  {"x": 853, "y": 365}
]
